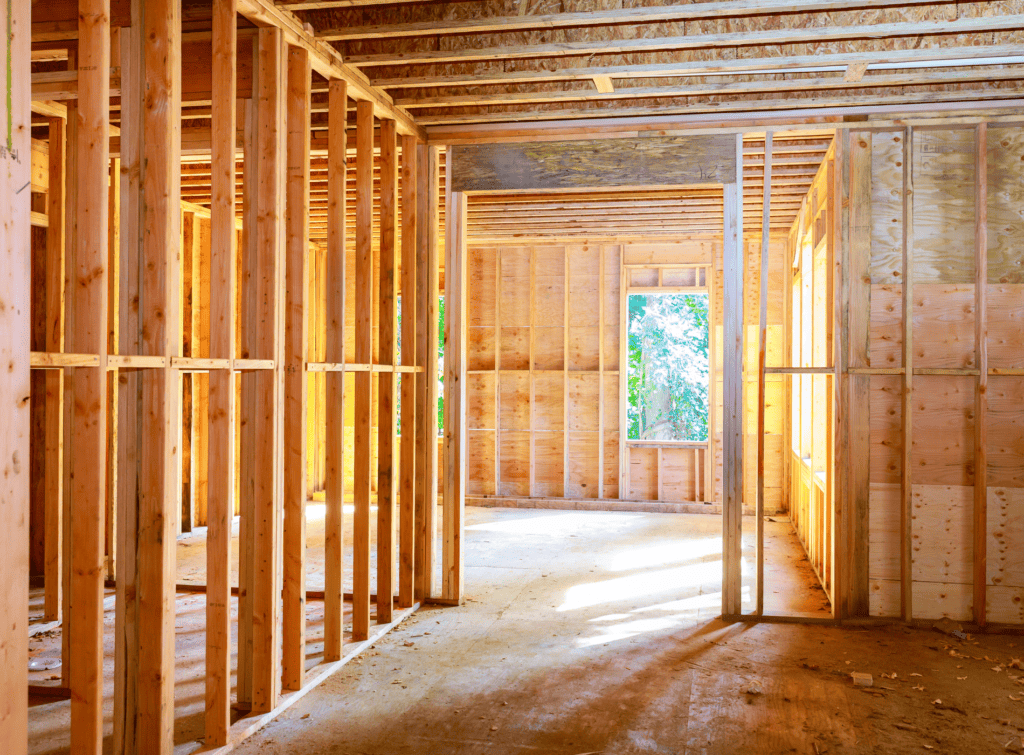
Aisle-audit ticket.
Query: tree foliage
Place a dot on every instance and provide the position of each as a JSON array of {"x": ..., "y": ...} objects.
[
  {"x": 440, "y": 367},
  {"x": 668, "y": 367}
]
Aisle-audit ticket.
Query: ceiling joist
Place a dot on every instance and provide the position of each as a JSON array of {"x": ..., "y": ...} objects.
[
  {"x": 851, "y": 105},
  {"x": 632, "y": 16},
  {"x": 928, "y": 57},
  {"x": 744, "y": 87},
  {"x": 749, "y": 38}
]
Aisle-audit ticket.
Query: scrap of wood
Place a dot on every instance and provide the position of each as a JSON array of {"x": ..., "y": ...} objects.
[
  {"x": 604, "y": 84},
  {"x": 855, "y": 71}
]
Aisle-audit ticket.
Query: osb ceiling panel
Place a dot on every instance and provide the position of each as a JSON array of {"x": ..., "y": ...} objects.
[{"x": 437, "y": 83}]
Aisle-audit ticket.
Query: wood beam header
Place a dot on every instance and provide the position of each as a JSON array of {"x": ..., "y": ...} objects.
[{"x": 542, "y": 166}]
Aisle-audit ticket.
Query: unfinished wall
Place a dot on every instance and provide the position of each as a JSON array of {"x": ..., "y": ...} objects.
[
  {"x": 808, "y": 391},
  {"x": 940, "y": 401},
  {"x": 543, "y": 351},
  {"x": 544, "y": 386}
]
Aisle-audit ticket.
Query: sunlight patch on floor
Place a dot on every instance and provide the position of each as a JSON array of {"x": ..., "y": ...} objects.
[
  {"x": 678, "y": 580},
  {"x": 663, "y": 554},
  {"x": 558, "y": 525}
]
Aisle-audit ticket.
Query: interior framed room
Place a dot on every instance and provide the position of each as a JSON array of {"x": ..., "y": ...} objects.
[{"x": 467, "y": 363}]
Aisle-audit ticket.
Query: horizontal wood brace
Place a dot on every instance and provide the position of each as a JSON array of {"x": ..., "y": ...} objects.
[
  {"x": 666, "y": 289},
  {"x": 349, "y": 367},
  {"x": 690, "y": 444},
  {"x": 43, "y": 360},
  {"x": 800, "y": 370}
]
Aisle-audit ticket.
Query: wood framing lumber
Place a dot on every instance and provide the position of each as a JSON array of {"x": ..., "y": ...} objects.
[
  {"x": 87, "y": 454},
  {"x": 248, "y": 286},
  {"x": 623, "y": 451},
  {"x": 907, "y": 402},
  {"x": 565, "y": 380},
  {"x": 732, "y": 397},
  {"x": 455, "y": 337},
  {"x": 762, "y": 346},
  {"x": 113, "y": 341},
  {"x": 362, "y": 455},
  {"x": 531, "y": 313},
  {"x": 269, "y": 270},
  {"x": 875, "y": 59},
  {"x": 296, "y": 346},
  {"x": 126, "y": 624},
  {"x": 601, "y": 324},
  {"x": 837, "y": 219},
  {"x": 497, "y": 371},
  {"x": 736, "y": 113},
  {"x": 746, "y": 38},
  {"x": 54, "y": 430},
  {"x": 829, "y": 84},
  {"x": 594, "y": 18},
  {"x": 410, "y": 350},
  {"x": 15, "y": 385},
  {"x": 144, "y": 678},
  {"x": 334, "y": 482},
  {"x": 980, "y": 523},
  {"x": 858, "y": 308},
  {"x": 189, "y": 254},
  {"x": 667, "y": 161},
  {"x": 249, "y": 725},
  {"x": 387, "y": 386},
  {"x": 327, "y": 61},
  {"x": 223, "y": 398},
  {"x": 200, "y": 441},
  {"x": 426, "y": 382},
  {"x": 327, "y": 4}
]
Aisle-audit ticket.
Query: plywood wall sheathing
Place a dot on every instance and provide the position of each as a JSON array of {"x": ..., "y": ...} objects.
[{"x": 941, "y": 460}]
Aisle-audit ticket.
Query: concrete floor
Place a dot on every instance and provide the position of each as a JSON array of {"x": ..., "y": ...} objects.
[
  {"x": 590, "y": 633},
  {"x": 594, "y": 632}
]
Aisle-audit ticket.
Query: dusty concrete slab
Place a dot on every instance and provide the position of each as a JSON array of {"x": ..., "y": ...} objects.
[{"x": 596, "y": 633}]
